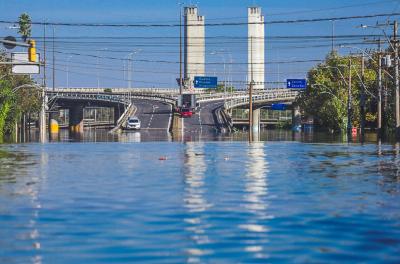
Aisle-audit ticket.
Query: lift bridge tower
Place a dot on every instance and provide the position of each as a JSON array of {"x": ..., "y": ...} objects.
[
  {"x": 256, "y": 48},
  {"x": 194, "y": 45}
]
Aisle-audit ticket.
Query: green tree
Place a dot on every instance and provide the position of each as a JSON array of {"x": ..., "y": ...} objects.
[
  {"x": 326, "y": 96},
  {"x": 13, "y": 104},
  {"x": 25, "y": 25}
]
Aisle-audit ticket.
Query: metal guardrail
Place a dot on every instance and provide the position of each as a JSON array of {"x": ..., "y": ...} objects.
[
  {"x": 125, "y": 97},
  {"x": 174, "y": 91},
  {"x": 90, "y": 96},
  {"x": 267, "y": 96}
]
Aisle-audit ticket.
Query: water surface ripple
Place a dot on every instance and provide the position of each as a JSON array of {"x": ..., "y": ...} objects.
[{"x": 208, "y": 202}]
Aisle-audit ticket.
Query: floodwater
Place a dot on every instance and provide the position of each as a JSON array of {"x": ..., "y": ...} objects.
[{"x": 191, "y": 201}]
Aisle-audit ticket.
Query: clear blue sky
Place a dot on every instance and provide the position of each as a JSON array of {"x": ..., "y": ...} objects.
[{"x": 82, "y": 68}]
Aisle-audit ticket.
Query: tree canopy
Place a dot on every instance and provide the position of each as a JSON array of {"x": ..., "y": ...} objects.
[
  {"x": 25, "y": 25},
  {"x": 326, "y": 96}
]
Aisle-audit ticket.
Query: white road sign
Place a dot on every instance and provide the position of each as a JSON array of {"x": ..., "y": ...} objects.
[{"x": 21, "y": 64}]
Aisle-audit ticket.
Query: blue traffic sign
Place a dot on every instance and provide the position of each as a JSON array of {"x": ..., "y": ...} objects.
[
  {"x": 296, "y": 83},
  {"x": 205, "y": 82},
  {"x": 279, "y": 107}
]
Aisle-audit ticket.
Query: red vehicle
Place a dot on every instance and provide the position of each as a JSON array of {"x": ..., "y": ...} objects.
[{"x": 186, "y": 112}]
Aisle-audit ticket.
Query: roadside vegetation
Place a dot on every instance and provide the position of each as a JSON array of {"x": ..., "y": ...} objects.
[
  {"x": 16, "y": 105},
  {"x": 326, "y": 97}
]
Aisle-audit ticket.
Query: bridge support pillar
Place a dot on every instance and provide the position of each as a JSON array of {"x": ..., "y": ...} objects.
[
  {"x": 296, "y": 118},
  {"x": 54, "y": 129},
  {"x": 256, "y": 120},
  {"x": 76, "y": 119}
]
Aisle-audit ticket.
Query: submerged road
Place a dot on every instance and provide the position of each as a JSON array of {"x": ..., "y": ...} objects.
[
  {"x": 157, "y": 116},
  {"x": 153, "y": 114},
  {"x": 206, "y": 120}
]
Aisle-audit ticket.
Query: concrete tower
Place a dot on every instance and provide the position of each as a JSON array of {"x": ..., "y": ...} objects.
[
  {"x": 194, "y": 53},
  {"x": 256, "y": 51}
]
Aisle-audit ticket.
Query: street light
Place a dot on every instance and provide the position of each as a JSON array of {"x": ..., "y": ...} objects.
[
  {"x": 180, "y": 50},
  {"x": 329, "y": 92},
  {"x": 383, "y": 31},
  {"x": 42, "y": 116},
  {"x": 396, "y": 73},
  {"x": 129, "y": 66},
  {"x": 98, "y": 70},
  {"x": 68, "y": 59},
  {"x": 340, "y": 72},
  {"x": 349, "y": 110},
  {"x": 14, "y": 26},
  {"x": 224, "y": 61},
  {"x": 379, "y": 97}
]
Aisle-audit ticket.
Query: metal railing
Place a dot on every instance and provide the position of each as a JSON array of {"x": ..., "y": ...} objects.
[
  {"x": 263, "y": 97},
  {"x": 124, "y": 96},
  {"x": 89, "y": 96}
]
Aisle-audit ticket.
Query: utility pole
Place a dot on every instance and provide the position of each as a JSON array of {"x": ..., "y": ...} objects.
[
  {"x": 180, "y": 50},
  {"x": 251, "y": 94},
  {"x": 129, "y": 70},
  {"x": 349, "y": 105},
  {"x": 333, "y": 36},
  {"x": 380, "y": 91},
  {"x": 396, "y": 66},
  {"x": 362, "y": 99},
  {"x": 42, "y": 118},
  {"x": 97, "y": 66},
  {"x": 54, "y": 61}
]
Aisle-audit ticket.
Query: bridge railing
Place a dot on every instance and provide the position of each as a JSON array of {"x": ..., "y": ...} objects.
[
  {"x": 172, "y": 91},
  {"x": 271, "y": 95},
  {"x": 91, "y": 96}
]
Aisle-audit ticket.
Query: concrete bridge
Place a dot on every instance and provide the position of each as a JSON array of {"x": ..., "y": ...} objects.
[{"x": 155, "y": 106}]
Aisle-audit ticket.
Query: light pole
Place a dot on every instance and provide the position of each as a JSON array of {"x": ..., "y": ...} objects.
[
  {"x": 224, "y": 61},
  {"x": 330, "y": 93},
  {"x": 129, "y": 67},
  {"x": 98, "y": 66},
  {"x": 42, "y": 116},
  {"x": 180, "y": 50},
  {"x": 363, "y": 89},
  {"x": 394, "y": 46},
  {"x": 68, "y": 59},
  {"x": 349, "y": 101},
  {"x": 230, "y": 80}
]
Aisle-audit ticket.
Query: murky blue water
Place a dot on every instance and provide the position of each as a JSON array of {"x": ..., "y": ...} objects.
[{"x": 214, "y": 202}]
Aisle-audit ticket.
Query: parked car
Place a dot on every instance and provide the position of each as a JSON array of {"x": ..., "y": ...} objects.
[{"x": 133, "y": 123}]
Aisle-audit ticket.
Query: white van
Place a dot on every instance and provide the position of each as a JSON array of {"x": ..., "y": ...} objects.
[{"x": 133, "y": 123}]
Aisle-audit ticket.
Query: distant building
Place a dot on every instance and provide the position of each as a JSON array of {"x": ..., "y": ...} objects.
[
  {"x": 194, "y": 43},
  {"x": 256, "y": 47}
]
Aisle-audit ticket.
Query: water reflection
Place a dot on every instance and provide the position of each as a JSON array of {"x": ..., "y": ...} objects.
[
  {"x": 256, "y": 192},
  {"x": 23, "y": 185},
  {"x": 195, "y": 201},
  {"x": 91, "y": 134}
]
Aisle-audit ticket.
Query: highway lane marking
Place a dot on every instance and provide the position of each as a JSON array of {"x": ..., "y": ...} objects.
[
  {"x": 201, "y": 125},
  {"x": 170, "y": 118},
  {"x": 151, "y": 117}
]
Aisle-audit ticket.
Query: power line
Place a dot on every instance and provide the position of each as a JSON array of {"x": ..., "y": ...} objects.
[
  {"x": 59, "y": 38},
  {"x": 271, "y": 22},
  {"x": 177, "y": 62}
]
